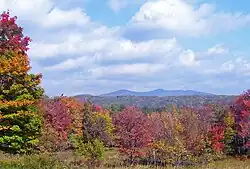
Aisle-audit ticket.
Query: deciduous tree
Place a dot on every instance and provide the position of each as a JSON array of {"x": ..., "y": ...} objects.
[
  {"x": 97, "y": 131},
  {"x": 20, "y": 121},
  {"x": 62, "y": 117},
  {"x": 241, "y": 110},
  {"x": 132, "y": 131}
]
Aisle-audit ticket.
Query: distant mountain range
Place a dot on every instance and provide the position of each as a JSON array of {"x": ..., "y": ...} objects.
[{"x": 158, "y": 92}]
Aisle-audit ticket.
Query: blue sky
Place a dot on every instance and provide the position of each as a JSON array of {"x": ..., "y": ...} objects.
[{"x": 98, "y": 46}]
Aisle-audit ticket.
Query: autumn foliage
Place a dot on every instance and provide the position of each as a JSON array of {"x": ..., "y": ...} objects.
[
  {"x": 179, "y": 135},
  {"x": 20, "y": 121},
  {"x": 132, "y": 131},
  {"x": 241, "y": 110},
  {"x": 11, "y": 35},
  {"x": 61, "y": 118}
]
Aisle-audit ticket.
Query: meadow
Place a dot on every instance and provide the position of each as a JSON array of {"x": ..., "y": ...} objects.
[{"x": 67, "y": 160}]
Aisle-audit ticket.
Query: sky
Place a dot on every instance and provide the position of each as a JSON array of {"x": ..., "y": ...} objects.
[{"x": 98, "y": 46}]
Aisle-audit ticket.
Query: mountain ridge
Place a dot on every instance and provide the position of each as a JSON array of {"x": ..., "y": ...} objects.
[{"x": 157, "y": 92}]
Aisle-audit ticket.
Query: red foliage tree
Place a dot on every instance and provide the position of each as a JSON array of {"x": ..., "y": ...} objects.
[
  {"x": 157, "y": 125},
  {"x": 58, "y": 115},
  {"x": 61, "y": 118},
  {"x": 217, "y": 136},
  {"x": 132, "y": 131},
  {"x": 11, "y": 35},
  {"x": 98, "y": 108}
]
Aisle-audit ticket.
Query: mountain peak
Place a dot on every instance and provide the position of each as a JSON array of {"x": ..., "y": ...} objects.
[{"x": 159, "y": 90}]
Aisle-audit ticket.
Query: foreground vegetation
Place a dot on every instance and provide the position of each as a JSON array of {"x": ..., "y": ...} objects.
[
  {"x": 67, "y": 160},
  {"x": 63, "y": 132}
]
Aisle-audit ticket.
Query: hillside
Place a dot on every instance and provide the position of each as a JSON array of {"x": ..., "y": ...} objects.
[{"x": 156, "y": 102}]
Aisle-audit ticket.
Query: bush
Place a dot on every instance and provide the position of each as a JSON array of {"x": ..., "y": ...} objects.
[{"x": 93, "y": 150}]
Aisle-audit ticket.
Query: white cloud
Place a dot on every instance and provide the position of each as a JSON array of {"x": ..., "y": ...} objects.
[
  {"x": 158, "y": 49},
  {"x": 188, "y": 58},
  {"x": 60, "y": 18},
  {"x": 44, "y": 13},
  {"x": 227, "y": 67},
  {"x": 140, "y": 69},
  {"x": 181, "y": 17},
  {"x": 26, "y": 8},
  {"x": 84, "y": 61},
  {"x": 106, "y": 48},
  {"x": 239, "y": 66},
  {"x": 113, "y": 50},
  {"x": 217, "y": 50}
]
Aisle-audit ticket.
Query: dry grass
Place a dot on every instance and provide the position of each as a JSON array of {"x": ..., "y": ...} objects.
[
  {"x": 112, "y": 160},
  {"x": 230, "y": 163}
]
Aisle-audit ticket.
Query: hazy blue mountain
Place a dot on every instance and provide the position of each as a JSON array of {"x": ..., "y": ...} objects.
[{"x": 157, "y": 92}]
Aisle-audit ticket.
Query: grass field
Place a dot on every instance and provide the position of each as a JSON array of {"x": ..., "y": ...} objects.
[{"x": 67, "y": 160}]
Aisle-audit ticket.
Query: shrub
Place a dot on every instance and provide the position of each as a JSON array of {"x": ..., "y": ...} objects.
[{"x": 92, "y": 150}]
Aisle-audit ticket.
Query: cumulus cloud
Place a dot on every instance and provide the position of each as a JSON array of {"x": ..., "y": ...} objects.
[
  {"x": 181, "y": 17},
  {"x": 58, "y": 18},
  {"x": 107, "y": 48},
  {"x": 239, "y": 66},
  {"x": 215, "y": 52},
  {"x": 45, "y": 13},
  {"x": 128, "y": 69},
  {"x": 83, "y": 61},
  {"x": 217, "y": 49},
  {"x": 188, "y": 58}
]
